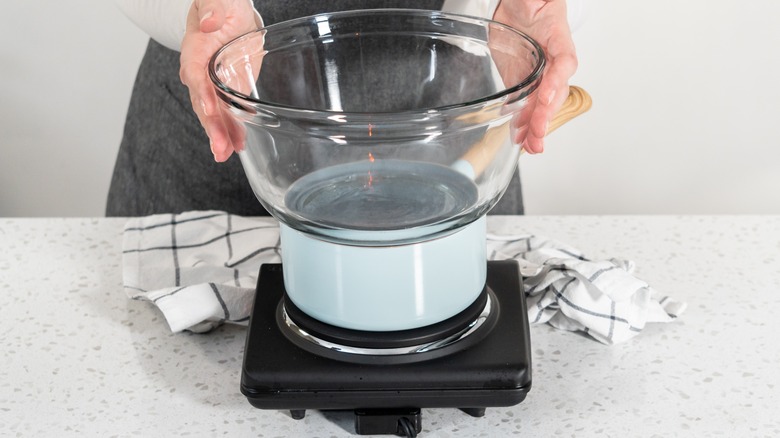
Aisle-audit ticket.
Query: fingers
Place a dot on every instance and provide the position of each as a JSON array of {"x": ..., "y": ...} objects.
[
  {"x": 551, "y": 94},
  {"x": 214, "y": 125},
  {"x": 236, "y": 133},
  {"x": 205, "y": 104},
  {"x": 545, "y": 21}
]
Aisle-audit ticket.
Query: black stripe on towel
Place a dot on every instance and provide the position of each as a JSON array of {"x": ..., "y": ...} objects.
[
  {"x": 169, "y": 294},
  {"x": 229, "y": 220},
  {"x": 175, "y": 253},
  {"x": 598, "y": 273},
  {"x": 612, "y": 321},
  {"x": 566, "y": 301},
  {"x": 250, "y": 256},
  {"x": 221, "y": 301},
  {"x": 165, "y": 224},
  {"x": 195, "y": 245}
]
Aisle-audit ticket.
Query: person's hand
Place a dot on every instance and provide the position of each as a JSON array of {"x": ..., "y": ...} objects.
[
  {"x": 210, "y": 25},
  {"x": 545, "y": 21}
]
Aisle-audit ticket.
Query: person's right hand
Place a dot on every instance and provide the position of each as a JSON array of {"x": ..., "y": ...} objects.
[{"x": 210, "y": 25}]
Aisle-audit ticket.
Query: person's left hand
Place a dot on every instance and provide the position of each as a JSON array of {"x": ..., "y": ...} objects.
[{"x": 546, "y": 22}]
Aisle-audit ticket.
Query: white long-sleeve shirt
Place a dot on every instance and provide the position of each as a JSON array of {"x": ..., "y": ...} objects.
[{"x": 166, "y": 20}]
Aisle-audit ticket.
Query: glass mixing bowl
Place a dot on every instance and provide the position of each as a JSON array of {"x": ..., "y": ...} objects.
[{"x": 378, "y": 127}]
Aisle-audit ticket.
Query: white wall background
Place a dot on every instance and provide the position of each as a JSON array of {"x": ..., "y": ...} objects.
[
  {"x": 685, "y": 116},
  {"x": 684, "y": 121},
  {"x": 66, "y": 72}
]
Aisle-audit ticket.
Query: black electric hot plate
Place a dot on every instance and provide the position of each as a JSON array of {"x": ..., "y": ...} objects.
[{"x": 489, "y": 367}]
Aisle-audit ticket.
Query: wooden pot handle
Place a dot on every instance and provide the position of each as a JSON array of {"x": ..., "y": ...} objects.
[
  {"x": 482, "y": 152},
  {"x": 576, "y": 103}
]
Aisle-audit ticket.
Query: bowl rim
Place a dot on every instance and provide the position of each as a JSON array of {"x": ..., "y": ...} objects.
[{"x": 531, "y": 79}]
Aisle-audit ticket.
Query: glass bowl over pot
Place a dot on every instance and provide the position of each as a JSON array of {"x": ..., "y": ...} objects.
[{"x": 379, "y": 139}]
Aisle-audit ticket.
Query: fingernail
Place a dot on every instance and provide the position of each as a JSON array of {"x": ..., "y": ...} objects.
[
  {"x": 551, "y": 97},
  {"x": 206, "y": 16},
  {"x": 211, "y": 146}
]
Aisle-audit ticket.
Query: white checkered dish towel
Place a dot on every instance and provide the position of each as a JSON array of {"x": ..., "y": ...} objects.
[{"x": 200, "y": 268}]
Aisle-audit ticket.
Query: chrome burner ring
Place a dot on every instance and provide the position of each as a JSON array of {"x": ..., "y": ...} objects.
[{"x": 483, "y": 321}]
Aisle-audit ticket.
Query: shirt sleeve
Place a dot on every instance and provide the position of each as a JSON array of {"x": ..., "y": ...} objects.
[
  {"x": 475, "y": 8},
  {"x": 165, "y": 21},
  {"x": 487, "y": 8}
]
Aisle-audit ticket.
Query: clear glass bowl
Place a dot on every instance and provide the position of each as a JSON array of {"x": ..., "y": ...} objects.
[{"x": 378, "y": 127}]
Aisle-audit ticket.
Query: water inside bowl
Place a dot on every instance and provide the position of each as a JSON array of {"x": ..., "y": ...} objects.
[{"x": 382, "y": 195}]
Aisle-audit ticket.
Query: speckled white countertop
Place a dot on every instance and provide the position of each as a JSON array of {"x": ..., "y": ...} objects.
[{"x": 80, "y": 359}]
